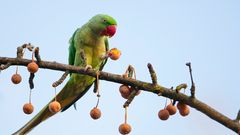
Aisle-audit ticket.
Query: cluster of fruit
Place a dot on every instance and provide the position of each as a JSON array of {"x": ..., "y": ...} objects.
[
  {"x": 28, "y": 108},
  {"x": 171, "y": 110}
]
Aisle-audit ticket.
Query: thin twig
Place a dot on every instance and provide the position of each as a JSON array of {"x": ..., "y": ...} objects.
[
  {"x": 126, "y": 115},
  {"x": 30, "y": 96},
  {"x": 3, "y": 67},
  {"x": 152, "y": 73},
  {"x": 20, "y": 49},
  {"x": 193, "y": 84},
  {"x": 60, "y": 81},
  {"x": 130, "y": 98},
  {"x": 37, "y": 55}
]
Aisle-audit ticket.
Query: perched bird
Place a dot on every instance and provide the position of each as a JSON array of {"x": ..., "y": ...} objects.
[{"x": 88, "y": 46}]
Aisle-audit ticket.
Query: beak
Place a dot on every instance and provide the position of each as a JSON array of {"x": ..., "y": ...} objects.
[{"x": 109, "y": 31}]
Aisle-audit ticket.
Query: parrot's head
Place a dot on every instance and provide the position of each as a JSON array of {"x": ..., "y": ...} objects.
[{"x": 103, "y": 25}]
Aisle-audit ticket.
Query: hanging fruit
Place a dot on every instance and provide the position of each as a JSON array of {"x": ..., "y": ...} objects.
[
  {"x": 28, "y": 108},
  {"x": 95, "y": 113},
  {"x": 54, "y": 106},
  {"x": 183, "y": 109},
  {"x": 171, "y": 109},
  {"x": 16, "y": 78}
]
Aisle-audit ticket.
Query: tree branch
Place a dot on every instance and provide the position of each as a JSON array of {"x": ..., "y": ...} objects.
[{"x": 150, "y": 87}]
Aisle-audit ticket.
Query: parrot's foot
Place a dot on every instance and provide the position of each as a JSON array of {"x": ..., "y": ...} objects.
[{"x": 87, "y": 67}]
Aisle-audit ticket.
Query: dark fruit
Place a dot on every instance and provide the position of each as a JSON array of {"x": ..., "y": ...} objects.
[
  {"x": 171, "y": 109},
  {"x": 32, "y": 67},
  {"x": 54, "y": 107},
  {"x": 125, "y": 91},
  {"x": 163, "y": 114},
  {"x": 16, "y": 78},
  {"x": 114, "y": 54},
  {"x": 124, "y": 128},
  {"x": 95, "y": 113},
  {"x": 28, "y": 108}
]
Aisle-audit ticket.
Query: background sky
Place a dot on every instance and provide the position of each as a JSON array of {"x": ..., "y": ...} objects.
[{"x": 165, "y": 33}]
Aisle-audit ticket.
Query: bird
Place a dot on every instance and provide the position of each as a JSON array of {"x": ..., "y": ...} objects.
[{"x": 88, "y": 47}]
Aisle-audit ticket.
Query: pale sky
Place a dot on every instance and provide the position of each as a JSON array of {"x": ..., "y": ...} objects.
[{"x": 165, "y": 33}]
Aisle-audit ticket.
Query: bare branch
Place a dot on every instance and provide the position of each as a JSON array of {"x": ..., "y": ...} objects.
[
  {"x": 193, "y": 84},
  {"x": 37, "y": 56},
  {"x": 60, "y": 81},
  {"x": 166, "y": 92},
  {"x": 152, "y": 73},
  {"x": 130, "y": 98}
]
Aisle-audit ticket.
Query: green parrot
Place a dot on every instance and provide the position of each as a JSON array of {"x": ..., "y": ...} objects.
[{"x": 88, "y": 49}]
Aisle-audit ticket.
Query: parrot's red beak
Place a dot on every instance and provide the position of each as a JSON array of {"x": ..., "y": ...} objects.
[{"x": 109, "y": 31}]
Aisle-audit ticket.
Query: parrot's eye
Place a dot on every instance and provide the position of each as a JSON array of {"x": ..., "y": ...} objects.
[{"x": 104, "y": 20}]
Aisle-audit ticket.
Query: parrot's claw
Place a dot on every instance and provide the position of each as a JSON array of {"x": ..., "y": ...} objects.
[{"x": 88, "y": 67}]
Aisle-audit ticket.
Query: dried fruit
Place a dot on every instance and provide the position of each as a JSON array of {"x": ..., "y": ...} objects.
[
  {"x": 32, "y": 67},
  {"x": 16, "y": 78},
  {"x": 183, "y": 109},
  {"x": 163, "y": 114},
  {"x": 54, "y": 107},
  {"x": 124, "y": 128},
  {"x": 114, "y": 54},
  {"x": 95, "y": 113},
  {"x": 28, "y": 108},
  {"x": 125, "y": 91},
  {"x": 171, "y": 109}
]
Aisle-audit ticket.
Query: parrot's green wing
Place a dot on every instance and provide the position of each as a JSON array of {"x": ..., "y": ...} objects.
[
  {"x": 89, "y": 86},
  {"x": 72, "y": 50}
]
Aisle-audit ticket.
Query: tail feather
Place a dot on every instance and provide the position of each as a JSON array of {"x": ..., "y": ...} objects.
[
  {"x": 41, "y": 116},
  {"x": 71, "y": 92}
]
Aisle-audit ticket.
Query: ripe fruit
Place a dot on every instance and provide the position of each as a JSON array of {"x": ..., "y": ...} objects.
[
  {"x": 28, "y": 108},
  {"x": 125, "y": 91},
  {"x": 163, "y": 114},
  {"x": 95, "y": 113},
  {"x": 32, "y": 67},
  {"x": 183, "y": 109},
  {"x": 16, "y": 78},
  {"x": 124, "y": 128},
  {"x": 114, "y": 54},
  {"x": 54, "y": 107},
  {"x": 184, "y": 112},
  {"x": 171, "y": 109}
]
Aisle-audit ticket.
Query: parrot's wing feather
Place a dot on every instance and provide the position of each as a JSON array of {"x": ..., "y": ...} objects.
[
  {"x": 72, "y": 50},
  {"x": 88, "y": 87}
]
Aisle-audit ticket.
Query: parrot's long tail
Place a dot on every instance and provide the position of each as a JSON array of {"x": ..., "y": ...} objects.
[
  {"x": 70, "y": 93},
  {"x": 41, "y": 116}
]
